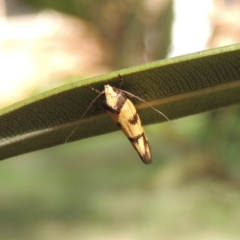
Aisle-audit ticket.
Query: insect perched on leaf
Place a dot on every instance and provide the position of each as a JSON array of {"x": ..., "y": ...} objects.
[{"x": 123, "y": 112}]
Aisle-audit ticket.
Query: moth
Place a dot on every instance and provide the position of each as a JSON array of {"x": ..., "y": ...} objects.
[{"x": 122, "y": 111}]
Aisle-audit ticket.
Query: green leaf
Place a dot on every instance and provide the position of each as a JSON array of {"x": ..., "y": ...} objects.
[{"x": 178, "y": 87}]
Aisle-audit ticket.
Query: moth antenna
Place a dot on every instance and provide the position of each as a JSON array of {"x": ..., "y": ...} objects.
[
  {"x": 99, "y": 94},
  {"x": 140, "y": 99}
]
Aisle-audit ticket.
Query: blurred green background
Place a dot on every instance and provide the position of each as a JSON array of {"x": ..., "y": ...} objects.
[{"x": 99, "y": 188}]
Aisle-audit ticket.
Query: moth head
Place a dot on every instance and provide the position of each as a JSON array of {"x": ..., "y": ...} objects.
[{"x": 109, "y": 91}]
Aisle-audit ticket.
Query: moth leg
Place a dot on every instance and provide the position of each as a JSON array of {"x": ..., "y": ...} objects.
[
  {"x": 95, "y": 90},
  {"x": 120, "y": 80},
  {"x": 129, "y": 96}
]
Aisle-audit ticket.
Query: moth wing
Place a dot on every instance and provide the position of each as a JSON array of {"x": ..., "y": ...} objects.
[{"x": 131, "y": 126}]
